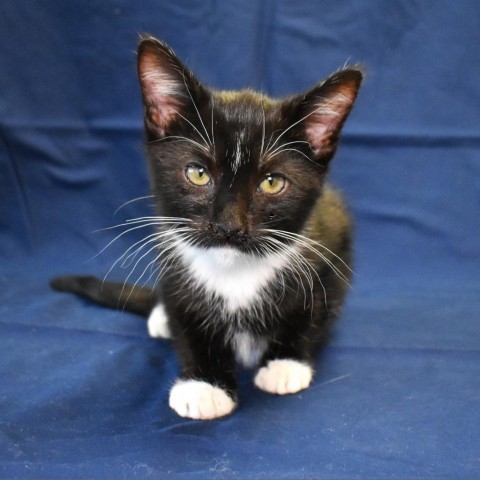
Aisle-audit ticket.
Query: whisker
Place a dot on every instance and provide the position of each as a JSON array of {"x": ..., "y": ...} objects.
[
  {"x": 307, "y": 239},
  {"x": 299, "y": 261},
  {"x": 213, "y": 134},
  {"x": 155, "y": 260},
  {"x": 133, "y": 270},
  {"x": 323, "y": 107},
  {"x": 203, "y": 148},
  {"x": 163, "y": 265},
  {"x": 119, "y": 259},
  {"x": 131, "y": 201},
  {"x": 198, "y": 113},
  {"x": 121, "y": 235},
  {"x": 197, "y": 130},
  {"x": 166, "y": 220},
  {"x": 155, "y": 237},
  {"x": 289, "y": 143},
  {"x": 304, "y": 243},
  {"x": 263, "y": 130},
  {"x": 306, "y": 263},
  {"x": 334, "y": 268},
  {"x": 270, "y": 156},
  {"x": 158, "y": 221},
  {"x": 176, "y": 257}
]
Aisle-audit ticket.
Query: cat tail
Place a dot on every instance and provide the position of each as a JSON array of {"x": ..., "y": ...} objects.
[{"x": 109, "y": 294}]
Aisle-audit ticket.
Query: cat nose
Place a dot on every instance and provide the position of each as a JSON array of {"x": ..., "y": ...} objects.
[
  {"x": 230, "y": 222},
  {"x": 224, "y": 231}
]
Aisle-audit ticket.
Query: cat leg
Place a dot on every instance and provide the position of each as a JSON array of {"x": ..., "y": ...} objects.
[
  {"x": 157, "y": 323},
  {"x": 287, "y": 366},
  {"x": 207, "y": 387}
]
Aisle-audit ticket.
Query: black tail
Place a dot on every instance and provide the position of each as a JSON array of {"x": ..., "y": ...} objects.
[{"x": 109, "y": 294}]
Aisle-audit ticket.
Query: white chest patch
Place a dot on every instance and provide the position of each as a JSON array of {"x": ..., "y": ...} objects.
[
  {"x": 248, "y": 350},
  {"x": 237, "y": 277}
]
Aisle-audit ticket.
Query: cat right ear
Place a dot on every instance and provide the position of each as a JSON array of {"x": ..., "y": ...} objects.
[{"x": 168, "y": 87}]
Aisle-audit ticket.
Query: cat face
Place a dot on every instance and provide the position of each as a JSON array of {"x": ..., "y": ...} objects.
[{"x": 237, "y": 163}]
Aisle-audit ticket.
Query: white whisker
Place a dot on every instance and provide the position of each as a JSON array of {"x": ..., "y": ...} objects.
[
  {"x": 156, "y": 237},
  {"x": 324, "y": 109},
  {"x": 121, "y": 235},
  {"x": 288, "y": 143},
  {"x": 304, "y": 242},
  {"x": 296, "y": 267},
  {"x": 206, "y": 148},
  {"x": 263, "y": 130},
  {"x": 153, "y": 238},
  {"x": 300, "y": 258},
  {"x": 203, "y": 148},
  {"x": 213, "y": 134},
  {"x": 131, "y": 201},
  {"x": 307, "y": 239},
  {"x": 198, "y": 113},
  {"x": 291, "y": 150}
]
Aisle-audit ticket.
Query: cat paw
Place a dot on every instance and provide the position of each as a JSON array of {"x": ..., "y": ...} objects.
[
  {"x": 283, "y": 377},
  {"x": 200, "y": 400},
  {"x": 157, "y": 323}
]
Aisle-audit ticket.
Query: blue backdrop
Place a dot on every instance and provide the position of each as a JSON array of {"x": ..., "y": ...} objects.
[{"x": 83, "y": 390}]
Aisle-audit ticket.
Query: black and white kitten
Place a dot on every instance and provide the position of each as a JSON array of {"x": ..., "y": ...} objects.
[{"x": 254, "y": 246}]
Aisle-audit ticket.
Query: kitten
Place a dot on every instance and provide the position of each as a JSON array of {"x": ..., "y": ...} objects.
[{"x": 254, "y": 246}]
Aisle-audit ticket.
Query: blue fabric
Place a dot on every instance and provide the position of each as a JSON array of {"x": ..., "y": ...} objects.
[{"x": 83, "y": 390}]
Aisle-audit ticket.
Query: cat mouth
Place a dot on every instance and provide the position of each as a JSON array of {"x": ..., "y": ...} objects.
[
  {"x": 230, "y": 240},
  {"x": 241, "y": 243}
]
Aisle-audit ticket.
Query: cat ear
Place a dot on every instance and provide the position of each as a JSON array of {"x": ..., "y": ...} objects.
[
  {"x": 168, "y": 87},
  {"x": 326, "y": 107}
]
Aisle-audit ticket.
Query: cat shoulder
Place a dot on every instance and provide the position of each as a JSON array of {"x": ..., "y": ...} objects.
[{"x": 330, "y": 219}]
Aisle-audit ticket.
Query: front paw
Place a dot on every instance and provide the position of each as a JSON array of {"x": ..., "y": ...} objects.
[
  {"x": 284, "y": 376},
  {"x": 200, "y": 400}
]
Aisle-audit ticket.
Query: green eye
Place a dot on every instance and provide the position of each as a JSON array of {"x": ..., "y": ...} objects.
[
  {"x": 198, "y": 175},
  {"x": 272, "y": 184}
]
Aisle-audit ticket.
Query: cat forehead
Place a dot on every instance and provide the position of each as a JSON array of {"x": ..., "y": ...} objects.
[
  {"x": 248, "y": 118},
  {"x": 244, "y": 106},
  {"x": 244, "y": 97}
]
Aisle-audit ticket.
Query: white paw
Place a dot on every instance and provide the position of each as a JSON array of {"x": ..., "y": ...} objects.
[
  {"x": 284, "y": 376},
  {"x": 158, "y": 323},
  {"x": 200, "y": 400}
]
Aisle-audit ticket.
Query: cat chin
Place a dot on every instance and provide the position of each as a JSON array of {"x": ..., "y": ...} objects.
[{"x": 226, "y": 256}]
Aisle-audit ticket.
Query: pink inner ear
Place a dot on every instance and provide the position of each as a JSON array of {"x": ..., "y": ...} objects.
[
  {"x": 163, "y": 113},
  {"x": 317, "y": 135},
  {"x": 162, "y": 90},
  {"x": 323, "y": 124}
]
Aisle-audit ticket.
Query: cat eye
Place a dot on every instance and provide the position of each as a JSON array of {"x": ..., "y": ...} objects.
[
  {"x": 198, "y": 175},
  {"x": 272, "y": 184}
]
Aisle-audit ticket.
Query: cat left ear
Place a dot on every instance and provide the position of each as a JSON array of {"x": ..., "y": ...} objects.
[
  {"x": 168, "y": 87},
  {"x": 326, "y": 107}
]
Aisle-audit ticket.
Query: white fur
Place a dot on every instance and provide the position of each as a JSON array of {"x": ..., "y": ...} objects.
[
  {"x": 200, "y": 400},
  {"x": 248, "y": 349},
  {"x": 237, "y": 161},
  {"x": 158, "y": 323},
  {"x": 284, "y": 376},
  {"x": 236, "y": 277}
]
